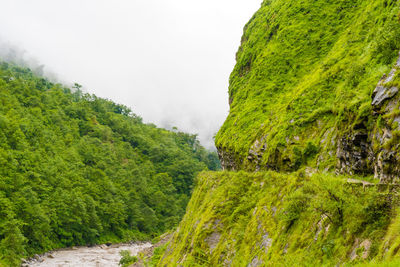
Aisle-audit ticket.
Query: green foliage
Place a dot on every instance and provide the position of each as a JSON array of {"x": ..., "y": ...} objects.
[
  {"x": 305, "y": 68},
  {"x": 127, "y": 259},
  {"x": 77, "y": 169},
  {"x": 157, "y": 255},
  {"x": 281, "y": 220}
]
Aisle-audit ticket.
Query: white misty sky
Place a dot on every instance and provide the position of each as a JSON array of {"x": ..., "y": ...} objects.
[{"x": 168, "y": 60}]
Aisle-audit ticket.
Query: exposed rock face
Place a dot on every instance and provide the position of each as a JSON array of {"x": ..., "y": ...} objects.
[
  {"x": 363, "y": 249},
  {"x": 228, "y": 160},
  {"x": 255, "y": 262},
  {"x": 382, "y": 93},
  {"x": 256, "y": 153},
  {"x": 266, "y": 242},
  {"x": 354, "y": 153},
  {"x": 370, "y": 147},
  {"x": 213, "y": 240},
  {"x": 385, "y": 104},
  {"x": 281, "y": 159},
  {"x": 385, "y": 138},
  {"x": 387, "y": 158},
  {"x": 376, "y": 151}
]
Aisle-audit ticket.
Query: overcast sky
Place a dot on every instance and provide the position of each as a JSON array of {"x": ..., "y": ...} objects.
[{"x": 168, "y": 60}]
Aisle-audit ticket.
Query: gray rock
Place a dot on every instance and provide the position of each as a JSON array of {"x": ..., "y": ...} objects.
[
  {"x": 381, "y": 94},
  {"x": 255, "y": 262},
  {"x": 213, "y": 240},
  {"x": 266, "y": 243},
  {"x": 229, "y": 160},
  {"x": 354, "y": 152}
]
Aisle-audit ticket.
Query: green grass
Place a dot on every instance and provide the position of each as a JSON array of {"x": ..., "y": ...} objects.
[
  {"x": 127, "y": 259},
  {"x": 157, "y": 255}
]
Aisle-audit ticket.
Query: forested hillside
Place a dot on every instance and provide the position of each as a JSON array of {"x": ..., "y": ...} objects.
[{"x": 76, "y": 169}]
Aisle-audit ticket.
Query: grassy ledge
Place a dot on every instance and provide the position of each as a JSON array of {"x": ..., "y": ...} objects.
[{"x": 275, "y": 219}]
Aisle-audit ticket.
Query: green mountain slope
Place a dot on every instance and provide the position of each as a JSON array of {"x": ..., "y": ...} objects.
[
  {"x": 314, "y": 120},
  {"x": 274, "y": 219},
  {"x": 304, "y": 77},
  {"x": 76, "y": 169}
]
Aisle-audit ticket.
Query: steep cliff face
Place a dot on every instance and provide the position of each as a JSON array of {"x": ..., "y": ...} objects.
[
  {"x": 372, "y": 146},
  {"x": 385, "y": 136},
  {"x": 313, "y": 99},
  {"x": 302, "y": 91}
]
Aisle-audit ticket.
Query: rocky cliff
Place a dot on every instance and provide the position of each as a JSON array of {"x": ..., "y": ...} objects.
[
  {"x": 310, "y": 147},
  {"x": 302, "y": 91},
  {"x": 372, "y": 146}
]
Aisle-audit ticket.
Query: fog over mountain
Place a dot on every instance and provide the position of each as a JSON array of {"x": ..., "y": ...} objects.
[{"x": 169, "y": 61}]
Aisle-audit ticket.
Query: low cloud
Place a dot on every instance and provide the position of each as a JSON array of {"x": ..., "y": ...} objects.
[{"x": 169, "y": 61}]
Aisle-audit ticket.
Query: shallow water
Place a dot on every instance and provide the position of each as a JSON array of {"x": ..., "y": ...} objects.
[{"x": 97, "y": 256}]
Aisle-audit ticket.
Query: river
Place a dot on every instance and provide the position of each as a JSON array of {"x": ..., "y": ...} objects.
[{"x": 96, "y": 256}]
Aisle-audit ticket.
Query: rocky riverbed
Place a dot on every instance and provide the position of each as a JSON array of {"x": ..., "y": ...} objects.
[{"x": 96, "y": 256}]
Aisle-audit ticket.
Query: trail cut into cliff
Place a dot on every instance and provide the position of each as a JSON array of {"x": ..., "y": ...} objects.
[{"x": 310, "y": 147}]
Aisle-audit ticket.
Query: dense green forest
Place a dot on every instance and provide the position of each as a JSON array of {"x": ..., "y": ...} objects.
[{"x": 76, "y": 169}]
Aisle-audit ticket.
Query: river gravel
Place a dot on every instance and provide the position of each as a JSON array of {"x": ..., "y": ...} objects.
[{"x": 97, "y": 256}]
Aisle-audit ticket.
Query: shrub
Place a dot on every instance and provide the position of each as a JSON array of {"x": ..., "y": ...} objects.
[{"x": 126, "y": 259}]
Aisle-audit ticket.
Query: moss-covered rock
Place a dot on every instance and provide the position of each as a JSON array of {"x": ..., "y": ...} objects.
[{"x": 303, "y": 81}]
